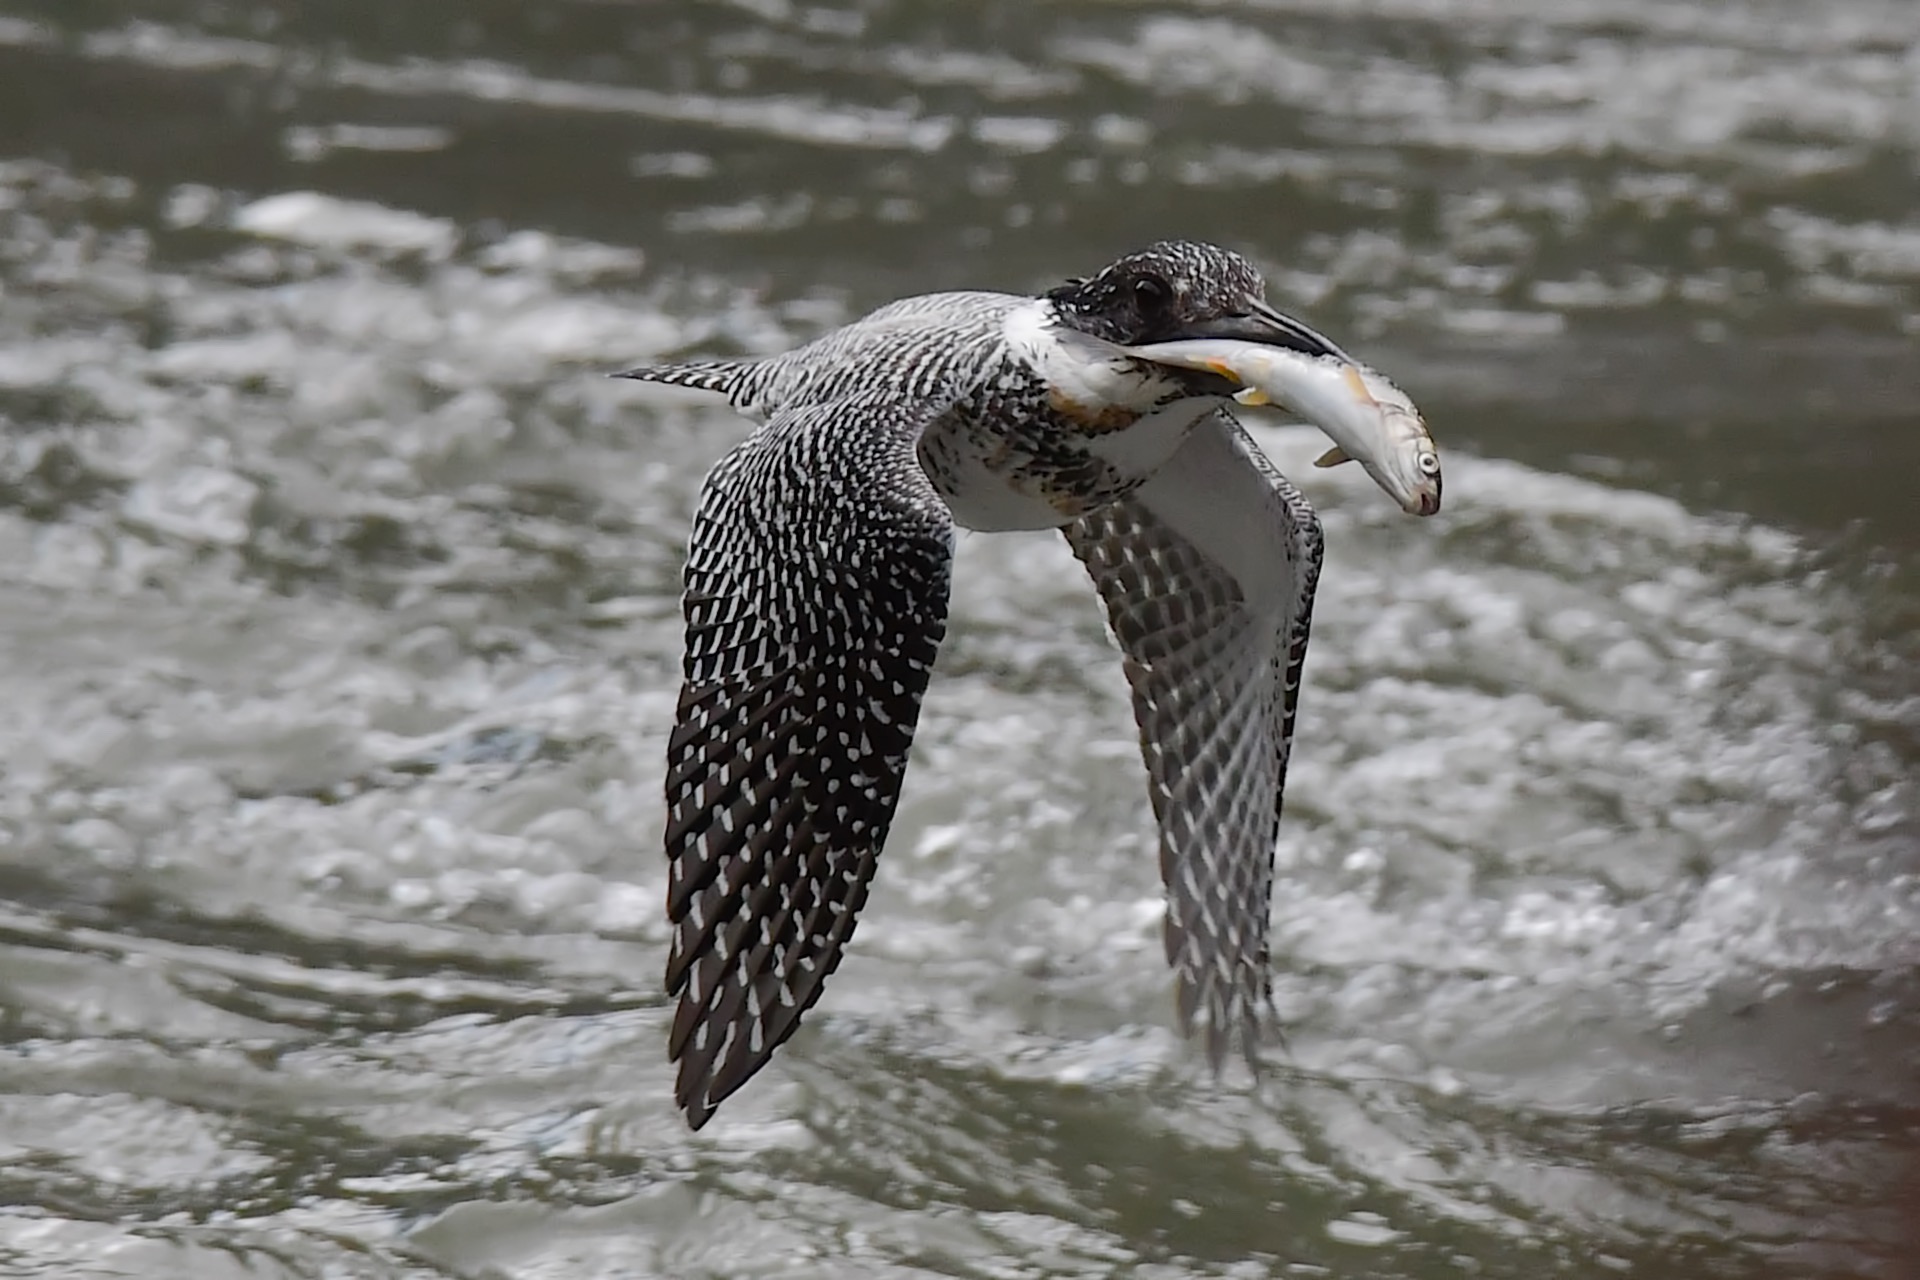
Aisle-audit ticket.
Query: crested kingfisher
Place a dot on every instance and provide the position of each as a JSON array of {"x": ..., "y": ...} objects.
[{"x": 815, "y": 598}]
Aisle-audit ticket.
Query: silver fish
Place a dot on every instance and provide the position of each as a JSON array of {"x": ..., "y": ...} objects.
[{"x": 1369, "y": 420}]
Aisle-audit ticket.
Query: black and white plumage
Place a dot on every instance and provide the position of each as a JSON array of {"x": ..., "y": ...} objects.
[
  {"x": 1207, "y": 572},
  {"x": 816, "y": 598}
]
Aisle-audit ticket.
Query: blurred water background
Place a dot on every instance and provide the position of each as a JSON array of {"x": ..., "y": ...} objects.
[{"x": 337, "y": 605}]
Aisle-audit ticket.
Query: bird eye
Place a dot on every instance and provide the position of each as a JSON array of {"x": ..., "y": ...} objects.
[
  {"x": 1151, "y": 293},
  {"x": 1430, "y": 464}
]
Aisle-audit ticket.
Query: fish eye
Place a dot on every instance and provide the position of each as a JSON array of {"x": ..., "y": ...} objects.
[
  {"x": 1151, "y": 293},
  {"x": 1429, "y": 464}
]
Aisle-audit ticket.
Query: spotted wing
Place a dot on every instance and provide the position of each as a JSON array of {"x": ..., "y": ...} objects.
[
  {"x": 816, "y": 597},
  {"x": 1207, "y": 573}
]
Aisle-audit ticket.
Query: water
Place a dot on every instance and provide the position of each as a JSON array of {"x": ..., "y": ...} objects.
[{"x": 337, "y": 605}]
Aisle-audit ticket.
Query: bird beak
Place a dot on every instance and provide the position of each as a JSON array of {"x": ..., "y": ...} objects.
[{"x": 1261, "y": 323}]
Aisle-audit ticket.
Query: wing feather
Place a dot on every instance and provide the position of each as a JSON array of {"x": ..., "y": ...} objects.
[
  {"x": 816, "y": 598},
  {"x": 1207, "y": 573}
]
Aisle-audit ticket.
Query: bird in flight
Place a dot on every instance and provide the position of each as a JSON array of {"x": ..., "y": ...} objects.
[{"x": 815, "y": 599}]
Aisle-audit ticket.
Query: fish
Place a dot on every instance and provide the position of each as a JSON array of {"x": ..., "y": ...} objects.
[{"x": 1369, "y": 420}]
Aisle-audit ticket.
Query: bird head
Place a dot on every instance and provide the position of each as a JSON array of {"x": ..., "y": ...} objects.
[{"x": 1181, "y": 289}]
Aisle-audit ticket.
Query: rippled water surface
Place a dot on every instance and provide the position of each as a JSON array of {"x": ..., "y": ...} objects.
[{"x": 337, "y": 605}]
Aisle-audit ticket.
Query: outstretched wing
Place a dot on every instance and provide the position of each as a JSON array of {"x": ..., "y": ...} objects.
[
  {"x": 816, "y": 597},
  {"x": 1207, "y": 572}
]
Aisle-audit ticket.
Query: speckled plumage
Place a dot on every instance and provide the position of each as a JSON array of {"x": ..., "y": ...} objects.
[
  {"x": 800, "y": 697},
  {"x": 816, "y": 598},
  {"x": 1214, "y": 664}
]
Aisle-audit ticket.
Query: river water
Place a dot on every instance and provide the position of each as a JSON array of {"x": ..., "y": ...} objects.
[{"x": 337, "y": 604}]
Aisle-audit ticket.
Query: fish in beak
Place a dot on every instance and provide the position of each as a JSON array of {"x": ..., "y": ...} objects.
[{"x": 1278, "y": 360}]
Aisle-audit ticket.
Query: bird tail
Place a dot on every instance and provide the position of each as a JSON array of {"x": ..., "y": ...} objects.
[{"x": 722, "y": 377}]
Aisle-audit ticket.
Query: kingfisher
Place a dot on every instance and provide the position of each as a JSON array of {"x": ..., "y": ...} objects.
[{"x": 815, "y": 598}]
